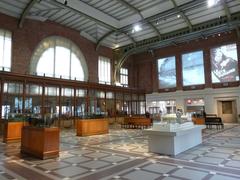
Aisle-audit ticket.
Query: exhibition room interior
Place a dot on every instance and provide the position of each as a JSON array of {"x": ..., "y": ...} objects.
[{"x": 119, "y": 89}]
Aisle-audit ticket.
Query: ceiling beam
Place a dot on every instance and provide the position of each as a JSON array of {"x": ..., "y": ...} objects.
[
  {"x": 110, "y": 33},
  {"x": 36, "y": 13},
  {"x": 90, "y": 12},
  {"x": 182, "y": 15},
  {"x": 73, "y": 8},
  {"x": 25, "y": 12},
  {"x": 125, "y": 3},
  {"x": 165, "y": 43},
  {"x": 227, "y": 11},
  {"x": 162, "y": 15},
  {"x": 153, "y": 13}
]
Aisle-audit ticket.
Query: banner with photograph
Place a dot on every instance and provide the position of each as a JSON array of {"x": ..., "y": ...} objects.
[
  {"x": 167, "y": 72},
  {"x": 224, "y": 63},
  {"x": 193, "y": 68}
]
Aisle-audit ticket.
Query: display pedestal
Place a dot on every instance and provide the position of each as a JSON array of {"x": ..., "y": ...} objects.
[
  {"x": 40, "y": 142},
  {"x": 174, "y": 142}
]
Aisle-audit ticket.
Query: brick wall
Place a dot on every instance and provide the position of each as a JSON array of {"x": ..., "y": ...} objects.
[
  {"x": 142, "y": 67},
  {"x": 145, "y": 64},
  {"x": 26, "y": 39}
]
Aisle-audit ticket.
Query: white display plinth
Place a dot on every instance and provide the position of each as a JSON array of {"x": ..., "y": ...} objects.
[{"x": 174, "y": 141}]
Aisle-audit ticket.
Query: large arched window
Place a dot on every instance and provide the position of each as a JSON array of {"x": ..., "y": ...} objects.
[{"x": 59, "y": 57}]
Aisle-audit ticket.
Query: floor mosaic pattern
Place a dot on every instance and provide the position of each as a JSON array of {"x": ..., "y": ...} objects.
[{"x": 123, "y": 154}]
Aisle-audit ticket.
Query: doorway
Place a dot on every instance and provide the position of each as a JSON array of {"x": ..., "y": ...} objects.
[{"x": 227, "y": 110}]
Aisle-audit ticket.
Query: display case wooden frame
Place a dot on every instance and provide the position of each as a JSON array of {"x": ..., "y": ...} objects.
[
  {"x": 12, "y": 130},
  {"x": 40, "y": 142}
]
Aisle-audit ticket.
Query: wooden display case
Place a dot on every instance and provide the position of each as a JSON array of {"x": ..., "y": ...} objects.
[
  {"x": 138, "y": 121},
  {"x": 87, "y": 127},
  {"x": 199, "y": 121},
  {"x": 12, "y": 131},
  {"x": 40, "y": 142}
]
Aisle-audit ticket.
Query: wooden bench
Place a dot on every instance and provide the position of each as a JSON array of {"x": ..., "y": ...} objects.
[
  {"x": 136, "y": 122},
  {"x": 212, "y": 119}
]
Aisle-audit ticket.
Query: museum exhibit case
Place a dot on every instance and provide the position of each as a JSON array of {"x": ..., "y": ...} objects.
[
  {"x": 173, "y": 135},
  {"x": 12, "y": 112},
  {"x": 92, "y": 125},
  {"x": 40, "y": 139},
  {"x": 12, "y": 128},
  {"x": 65, "y": 99}
]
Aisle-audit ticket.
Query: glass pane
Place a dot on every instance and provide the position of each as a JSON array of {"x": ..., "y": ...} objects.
[
  {"x": 76, "y": 68},
  {"x": 104, "y": 70},
  {"x": 46, "y": 58},
  {"x": 5, "y": 50},
  {"x": 100, "y": 94},
  {"x": 7, "y": 53},
  {"x": 1, "y": 49},
  {"x": 67, "y": 92},
  {"x": 62, "y": 62},
  {"x": 109, "y": 95},
  {"x": 81, "y": 92},
  {"x": 124, "y": 76},
  {"x": 33, "y": 89},
  {"x": 13, "y": 88},
  {"x": 51, "y": 91}
]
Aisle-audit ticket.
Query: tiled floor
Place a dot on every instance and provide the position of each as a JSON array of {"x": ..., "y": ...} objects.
[{"x": 123, "y": 154}]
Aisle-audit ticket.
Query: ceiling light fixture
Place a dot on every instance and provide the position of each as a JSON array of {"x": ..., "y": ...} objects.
[
  {"x": 212, "y": 3},
  {"x": 136, "y": 28}
]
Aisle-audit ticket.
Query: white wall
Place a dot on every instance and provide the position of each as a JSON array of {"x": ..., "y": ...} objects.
[{"x": 210, "y": 96}]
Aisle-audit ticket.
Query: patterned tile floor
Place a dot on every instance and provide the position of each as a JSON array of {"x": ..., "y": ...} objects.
[{"x": 123, "y": 154}]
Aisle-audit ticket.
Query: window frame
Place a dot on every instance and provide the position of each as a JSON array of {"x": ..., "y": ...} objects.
[
  {"x": 6, "y": 34},
  {"x": 104, "y": 70},
  {"x": 54, "y": 42},
  {"x": 124, "y": 77}
]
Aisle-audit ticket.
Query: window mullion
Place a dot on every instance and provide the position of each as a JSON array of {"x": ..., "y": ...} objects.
[
  {"x": 54, "y": 59},
  {"x": 70, "y": 67},
  {"x": 3, "y": 55}
]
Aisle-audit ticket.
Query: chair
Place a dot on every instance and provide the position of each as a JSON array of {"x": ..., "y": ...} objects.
[{"x": 212, "y": 119}]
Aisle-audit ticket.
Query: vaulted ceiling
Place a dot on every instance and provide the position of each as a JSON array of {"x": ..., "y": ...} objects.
[{"x": 116, "y": 23}]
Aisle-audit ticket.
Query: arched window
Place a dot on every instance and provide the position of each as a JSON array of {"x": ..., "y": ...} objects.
[
  {"x": 5, "y": 50},
  {"x": 59, "y": 57}
]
